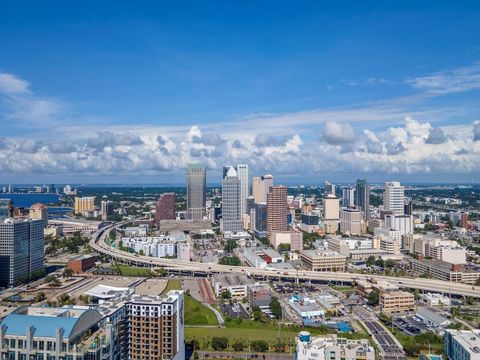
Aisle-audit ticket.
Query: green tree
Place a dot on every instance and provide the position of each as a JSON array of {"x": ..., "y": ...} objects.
[
  {"x": 371, "y": 260},
  {"x": 259, "y": 345},
  {"x": 40, "y": 296},
  {"x": 380, "y": 263},
  {"x": 67, "y": 273},
  {"x": 238, "y": 346},
  {"x": 226, "y": 294},
  {"x": 219, "y": 343},
  {"x": 276, "y": 308},
  {"x": 283, "y": 247},
  {"x": 372, "y": 298},
  {"x": 230, "y": 260},
  {"x": 389, "y": 263}
]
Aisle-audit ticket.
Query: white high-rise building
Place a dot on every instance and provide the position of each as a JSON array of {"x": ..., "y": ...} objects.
[
  {"x": 231, "y": 205},
  {"x": 394, "y": 198},
  {"x": 243, "y": 176},
  {"x": 348, "y": 196}
]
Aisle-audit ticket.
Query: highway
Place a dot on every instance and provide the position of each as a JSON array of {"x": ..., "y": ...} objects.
[{"x": 98, "y": 244}]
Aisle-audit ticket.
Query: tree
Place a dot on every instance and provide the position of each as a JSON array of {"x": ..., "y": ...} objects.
[
  {"x": 225, "y": 294},
  {"x": 283, "y": 247},
  {"x": 371, "y": 260},
  {"x": 39, "y": 297},
  {"x": 372, "y": 298},
  {"x": 380, "y": 263},
  {"x": 276, "y": 308},
  {"x": 230, "y": 260},
  {"x": 67, "y": 273},
  {"x": 477, "y": 283},
  {"x": 389, "y": 263},
  {"x": 257, "y": 314},
  {"x": 230, "y": 245},
  {"x": 52, "y": 281},
  {"x": 219, "y": 343},
  {"x": 238, "y": 346},
  {"x": 259, "y": 345}
]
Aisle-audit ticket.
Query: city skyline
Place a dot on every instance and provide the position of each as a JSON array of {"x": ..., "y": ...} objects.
[{"x": 269, "y": 89}]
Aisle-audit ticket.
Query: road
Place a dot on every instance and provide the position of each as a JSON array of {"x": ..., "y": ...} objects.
[
  {"x": 98, "y": 244},
  {"x": 390, "y": 348}
]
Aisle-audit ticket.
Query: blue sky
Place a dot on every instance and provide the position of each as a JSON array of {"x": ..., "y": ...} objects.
[{"x": 305, "y": 90}]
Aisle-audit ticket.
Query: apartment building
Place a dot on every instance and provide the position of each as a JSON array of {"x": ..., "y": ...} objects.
[{"x": 445, "y": 271}]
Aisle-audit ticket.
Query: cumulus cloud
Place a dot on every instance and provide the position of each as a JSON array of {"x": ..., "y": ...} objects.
[
  {"x": 436, "y": 136},
  {"x": 108, "y": 138},
  {"x": 476, "y": 131},
  {"x": 337, "y": 133}
]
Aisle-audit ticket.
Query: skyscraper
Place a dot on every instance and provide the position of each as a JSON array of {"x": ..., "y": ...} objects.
[
  {"x": 106, "y": 209},
  {"x": 243, "y": 176},
  {"x": 260, "y": 187},
  {"x": 348, "y": 196},
  {"x": 165, "y": 208},
  {"x": 331, "y": 213},
  {"x": 394, "y": 198},
  {"x": 21, "y": 249},
  {"x": 362, "y": 197},
  {"x": 276, "y": 210},
  {"x": 231, "y": 202},
  {"x": 196, "y": 191},
  {"x": 328, "y": 189}
]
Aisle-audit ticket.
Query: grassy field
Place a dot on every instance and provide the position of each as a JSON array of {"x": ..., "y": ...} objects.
[
  {"x": 245, "y": 335},
  {"x": 195, "y": 312},
  {"x": 173, "y": 284},
  {"x": 133, "y": 271}
]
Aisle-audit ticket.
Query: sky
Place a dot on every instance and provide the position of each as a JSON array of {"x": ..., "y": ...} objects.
[{"x": 131, "y": 92}]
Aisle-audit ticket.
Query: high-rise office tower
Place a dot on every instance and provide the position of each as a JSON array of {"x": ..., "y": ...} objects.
[
  {"x": 276, "y": 210},
  {"x": 348, "y": 196},
  {"x": 231, "y": 202},
  {"x": 165, "y": 208},
  {"x": 196, "y": 191},
  {"x": 260, "y": 187},
  {"x": 362, "y": 197},
  {"x": 394, "y": 198},
  {"x": 39, "y": 211},
  {"x": 243, "y": 176},
  {"x": 6, "y": 209},
  {"x": 21, "y": 249},
  {"x": 328, "y": 189},
  {"x": 86, "y": 203}
]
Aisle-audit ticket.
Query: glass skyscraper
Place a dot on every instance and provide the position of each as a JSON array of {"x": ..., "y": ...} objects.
[
  {"x": 362, "y": 197},
  {"x": 196, "y": 191}
]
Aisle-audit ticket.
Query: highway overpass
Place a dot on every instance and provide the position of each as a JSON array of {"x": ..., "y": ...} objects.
[{"x": 98, "y": 244}]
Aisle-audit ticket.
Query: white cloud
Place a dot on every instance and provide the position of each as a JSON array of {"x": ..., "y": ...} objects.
[
  {"x": 337, "y": 133},
  {"x": 445, "y": 82},
  {"x": 10, "y": 84}
]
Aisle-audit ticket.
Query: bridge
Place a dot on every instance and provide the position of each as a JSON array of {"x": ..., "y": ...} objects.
[{"x": 98, "y": 244}]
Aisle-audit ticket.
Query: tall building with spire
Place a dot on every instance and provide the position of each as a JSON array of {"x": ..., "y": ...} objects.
[
  {"x": 231, "y": 202},
  {"x": 196, "y": 191}
]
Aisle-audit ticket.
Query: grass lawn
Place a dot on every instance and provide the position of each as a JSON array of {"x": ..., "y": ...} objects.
[
  {"x": 243, "y": 334},
  {"x": 133, "y": 271},
  {"x": 195, "y": 312},
  {"x": 173, "y": 284}
]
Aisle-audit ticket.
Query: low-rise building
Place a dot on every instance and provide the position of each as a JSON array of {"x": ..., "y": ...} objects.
[
  {"x": 292, "y": 238},
  {"x": 462, "y": 344},
  {"x": 259, "y": 295},
  {"x": 81, "y": 263},
  {"x": 235, "y": 284},
  {"x": 332, "y": 348},
  {"x": 396, "y": 301},
  {"x": 322, "y": 260},
  {"x": 445, "y": 271}
]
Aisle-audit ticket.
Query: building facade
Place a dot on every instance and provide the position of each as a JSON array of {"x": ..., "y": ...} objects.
[
  {"x": 351, "y": 221},
  {"x": 82, "y": 204},
  {"x": 394, "y": 198},
  {"x": 196, "y": 191},
  {"x": 362, "y": 197},
  {"x": 322, "y": 260},
  {"x": 276, "y": 210},
  {"x": 39, "y": 211},
  {"x": 165, "y": 208},
  {"x": 231, "y": 202},
  {"x": 21, "y": 250},
  {"x": 260, "y": 187}
]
